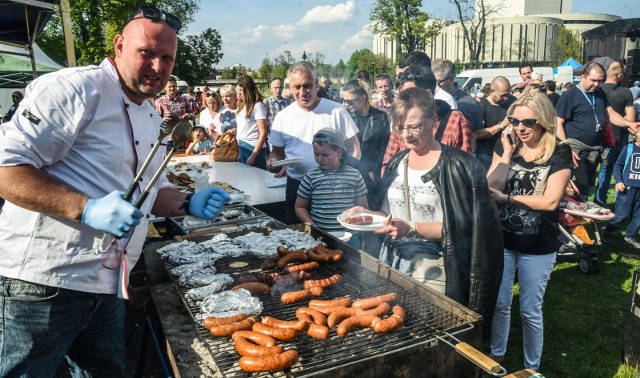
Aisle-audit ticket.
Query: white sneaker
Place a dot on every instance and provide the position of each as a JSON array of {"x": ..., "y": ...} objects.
[{"x": 632, "y": 241}]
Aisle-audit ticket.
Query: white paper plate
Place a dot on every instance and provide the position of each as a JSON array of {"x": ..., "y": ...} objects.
[
  {"x": 280, "y": 163},
  {"x": 342, "y": 235},
  {"x": 378, "y": 222}
]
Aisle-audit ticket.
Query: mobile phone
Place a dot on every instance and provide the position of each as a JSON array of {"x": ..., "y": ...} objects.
[{"x": 513, "y": 138}]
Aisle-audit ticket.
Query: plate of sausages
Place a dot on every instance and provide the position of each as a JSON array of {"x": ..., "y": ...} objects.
[{"x": 362, "y": 221}]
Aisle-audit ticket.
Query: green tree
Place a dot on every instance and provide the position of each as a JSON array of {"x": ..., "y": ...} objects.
[
  {"x": 473, "y": 16},
  {"x": 404, "y": 22},
  {"x": 266, "y": 69},
  {"x": 365, "y": 59},
  {"x": 197, "y": 56},
  {"x": 568, "y": 45}
]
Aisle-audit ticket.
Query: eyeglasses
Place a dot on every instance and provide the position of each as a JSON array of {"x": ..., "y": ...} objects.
[
  {"x": 439, "y": 82},
  {"x": 157, "y": 15},
  {"x": 410, "y": 129},
  {"x": 350, "y": 102},
  {"x": 297, "y": 87},
  {"x": 407, "y": 76},
  {"x": 210, "y": 95},
  {"x": 527, "y": 122}
]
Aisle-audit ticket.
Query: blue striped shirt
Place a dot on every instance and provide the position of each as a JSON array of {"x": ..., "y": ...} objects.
[{"x": 331, "y": 192}]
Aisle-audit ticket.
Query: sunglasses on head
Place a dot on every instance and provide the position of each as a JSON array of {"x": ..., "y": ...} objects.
[
  {"x": 527, "y": 122},
  {"x": 157, "y": 15},
  {"x": 407, "y": 76},
  {"x": 211, "y": 95}
]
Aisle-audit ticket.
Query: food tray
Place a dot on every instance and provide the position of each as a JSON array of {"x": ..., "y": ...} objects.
[{"x": 181, "y": 226}]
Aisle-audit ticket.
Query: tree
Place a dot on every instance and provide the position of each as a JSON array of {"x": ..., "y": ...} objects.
[
  {"x": 404, "y": 22},
  {"x": 95, "y": 23},
  {"x": 473, "y": 22},
  {"x": 568, "y": 45},
  {"x": 197, "y": 55},
  {"x": 365, "y": 59}
]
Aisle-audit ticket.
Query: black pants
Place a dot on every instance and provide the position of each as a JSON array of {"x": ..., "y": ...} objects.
[
  {"x": 291, "y": 193},
  {"x": 585, "y": 174}
]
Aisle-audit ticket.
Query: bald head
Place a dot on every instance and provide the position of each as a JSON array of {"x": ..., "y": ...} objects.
[
  {"x": 500, "y": 89},
  {"x": 145, "y": 56}
]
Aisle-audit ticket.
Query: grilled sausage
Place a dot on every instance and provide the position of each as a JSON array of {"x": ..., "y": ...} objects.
[
  {"x": 267, "y": 278},
  {"x": 339, "y": 315},
  {"x": 277, "y": 323},
  {"x": 282, "y": 334},
  {"x": 229, "y": 329},
  {"x": 256, "y": 337},
  {"x": 380, "y": 311},
  {"x": 346, "y": 302},
  {"x": 318, "y": 331},
  {"x": 298, "y": 256},
  {"x": 257, "y": 288},
  {"x": 210, "y": 321},
  {"x": 359, "y": 219},
  {"x": 283, "y": 251},
  {"x": 318, "y": 257},
  {"x": 277, "y": 362},
  {"x": 324, "y": 282},
  {"x": 292, "y": 277},
  {"x": 303, "y": 317},
  {"x": 247, "y": 278},
  {"x": 336, "y": 254},
  {"x": 307, "y": 267},
  {"x": 317, "y": 316},
  {"x": 302, "y": 295},
  {"x": 330, "y": 310},
  {"x": 367, "y": 303},
  {"x": 353, "y": 322},
  {"x": 392, "y": 322},
  {"x": 270, "y": 262},
  {"x": 245, "y": 347}
]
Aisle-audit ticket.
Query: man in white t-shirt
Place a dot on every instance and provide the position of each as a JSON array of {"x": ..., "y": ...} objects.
[{"x": 293, "y": 129}]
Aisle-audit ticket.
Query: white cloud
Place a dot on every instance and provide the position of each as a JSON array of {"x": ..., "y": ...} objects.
[
  {"x": 363, "y": 38},
  {"x": 327, "y": 14}
]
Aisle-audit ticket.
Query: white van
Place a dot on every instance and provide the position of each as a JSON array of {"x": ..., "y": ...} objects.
[{"x": 467, "y": 79}]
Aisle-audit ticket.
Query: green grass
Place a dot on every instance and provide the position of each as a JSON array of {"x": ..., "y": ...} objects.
[{"x": 584, "y": 318}]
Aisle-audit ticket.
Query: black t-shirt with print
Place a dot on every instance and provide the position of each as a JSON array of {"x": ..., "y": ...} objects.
[{"x": 533, "y": 232}]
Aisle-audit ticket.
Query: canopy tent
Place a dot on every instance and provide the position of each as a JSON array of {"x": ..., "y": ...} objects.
[
  {"x": 21, "y": 21},
  {"x": 16, "y": 69},
  {"x": 567, "y": 63}
]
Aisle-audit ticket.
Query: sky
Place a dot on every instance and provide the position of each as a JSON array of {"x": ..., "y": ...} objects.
[{"x": 254, "y": 29}]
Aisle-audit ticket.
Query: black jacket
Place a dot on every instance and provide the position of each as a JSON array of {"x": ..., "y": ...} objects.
[{"x": 471, "y": 231}]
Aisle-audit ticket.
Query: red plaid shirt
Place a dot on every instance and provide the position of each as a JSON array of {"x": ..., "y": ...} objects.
[
  {"x": 457, "y": 133},
  {"x": 180, "y": 105}
]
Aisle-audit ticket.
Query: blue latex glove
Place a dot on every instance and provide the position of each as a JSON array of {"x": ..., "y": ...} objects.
[
  {"x": 112, "y": 214},
  {"x": 206, "y": 203}
]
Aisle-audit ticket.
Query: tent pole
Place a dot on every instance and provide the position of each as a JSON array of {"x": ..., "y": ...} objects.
[{"x": 65, "y": 11}]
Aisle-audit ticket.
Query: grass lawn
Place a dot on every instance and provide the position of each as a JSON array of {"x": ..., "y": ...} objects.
[{"x": 584, "y": 318}]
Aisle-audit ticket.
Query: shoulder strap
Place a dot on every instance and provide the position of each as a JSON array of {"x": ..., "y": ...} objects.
[
  {"x": 442, "y": 125},
  {"x": 628, "y": 156}
]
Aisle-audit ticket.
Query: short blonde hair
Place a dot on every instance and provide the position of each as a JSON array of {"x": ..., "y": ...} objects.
[{"x": 227, "y": 89}]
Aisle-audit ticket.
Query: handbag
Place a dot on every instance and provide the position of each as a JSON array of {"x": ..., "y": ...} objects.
[{"x": 226, "y": 148}]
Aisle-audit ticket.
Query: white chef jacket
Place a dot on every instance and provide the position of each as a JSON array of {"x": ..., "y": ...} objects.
[{"x": 78, "y": 126}]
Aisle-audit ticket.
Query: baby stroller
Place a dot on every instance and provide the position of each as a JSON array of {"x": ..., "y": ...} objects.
[{"x": 579, "y": 232}]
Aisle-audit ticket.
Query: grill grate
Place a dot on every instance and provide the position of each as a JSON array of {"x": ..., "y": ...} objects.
[{"x": 424, "y": 320}]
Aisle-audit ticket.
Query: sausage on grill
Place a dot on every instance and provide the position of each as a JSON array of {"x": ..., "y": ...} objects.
[
  {"x": 245, "y": 347},
  {"x": 282, "y": 334},
  {"x": 229, "y": 329},
  {"x": 210, "y": 321},
  {"x": 367, "y": 303},
  {"x": 277, "y": 362},
  {"x": 324, "y": 282}
]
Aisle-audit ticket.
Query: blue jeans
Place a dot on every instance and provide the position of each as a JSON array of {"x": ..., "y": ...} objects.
[
  {"x": 627, "y": 206},
  {"x": 609, "y": 158},
  {"x": 534, "y": 272},
  {"x": 40, "y": 326},
  {"x": 245, "y": 152}
]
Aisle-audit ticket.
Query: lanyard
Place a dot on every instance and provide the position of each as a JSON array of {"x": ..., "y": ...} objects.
[{"x": 592, "y": 102}]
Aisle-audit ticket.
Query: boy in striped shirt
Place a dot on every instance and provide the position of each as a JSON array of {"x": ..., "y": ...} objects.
[{"x": 330, "y": 188}]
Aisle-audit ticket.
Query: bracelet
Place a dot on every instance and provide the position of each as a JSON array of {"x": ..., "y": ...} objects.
[
  {"x": 412, "y": 233},
  {"x": 185, "y": 203}
]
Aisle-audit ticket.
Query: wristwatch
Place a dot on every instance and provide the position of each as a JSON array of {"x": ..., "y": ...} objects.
[{"x": 412, "y": 233}]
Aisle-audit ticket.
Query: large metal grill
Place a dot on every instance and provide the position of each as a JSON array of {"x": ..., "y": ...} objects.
[{"x": 425, "y": 320}]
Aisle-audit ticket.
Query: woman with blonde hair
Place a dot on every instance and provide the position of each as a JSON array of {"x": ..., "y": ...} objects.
[
  {"x": 252, "y": 124},
  {"x": 527, "y": 178},
  {"x": 226, "y": 118},
  {"x": 213, "y": 103}
]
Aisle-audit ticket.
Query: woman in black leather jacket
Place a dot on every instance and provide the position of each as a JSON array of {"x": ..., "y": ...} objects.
[{"x": 464, "y": 222}]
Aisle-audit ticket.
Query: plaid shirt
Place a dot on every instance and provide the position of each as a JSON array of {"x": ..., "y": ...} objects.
[
  {"x": 387, "y": 109},
  {"x": 457, "y": 133},
  {"x": 180, "y": 105},
  {"x": 470, "y": 108},
  {"x": 274, "y": 106}
]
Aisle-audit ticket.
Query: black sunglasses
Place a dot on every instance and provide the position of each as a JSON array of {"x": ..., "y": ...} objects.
[
  {"x": 157, "y": 15},
  {"x": 210, "y": 95},
  {"x": 408, "y": 76},
  {"x": 527, "y": 122},
  {"x": 439, "y": 82},
  {"x": 350, "y": 102}
]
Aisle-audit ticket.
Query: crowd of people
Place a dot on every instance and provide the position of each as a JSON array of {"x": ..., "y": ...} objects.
[{"x": 470, "y": 185}]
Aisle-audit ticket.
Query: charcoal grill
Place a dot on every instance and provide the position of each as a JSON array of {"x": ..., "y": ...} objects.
[
  {"x": 249, "y": 215},
  {"x": 414, "y": 349}
]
